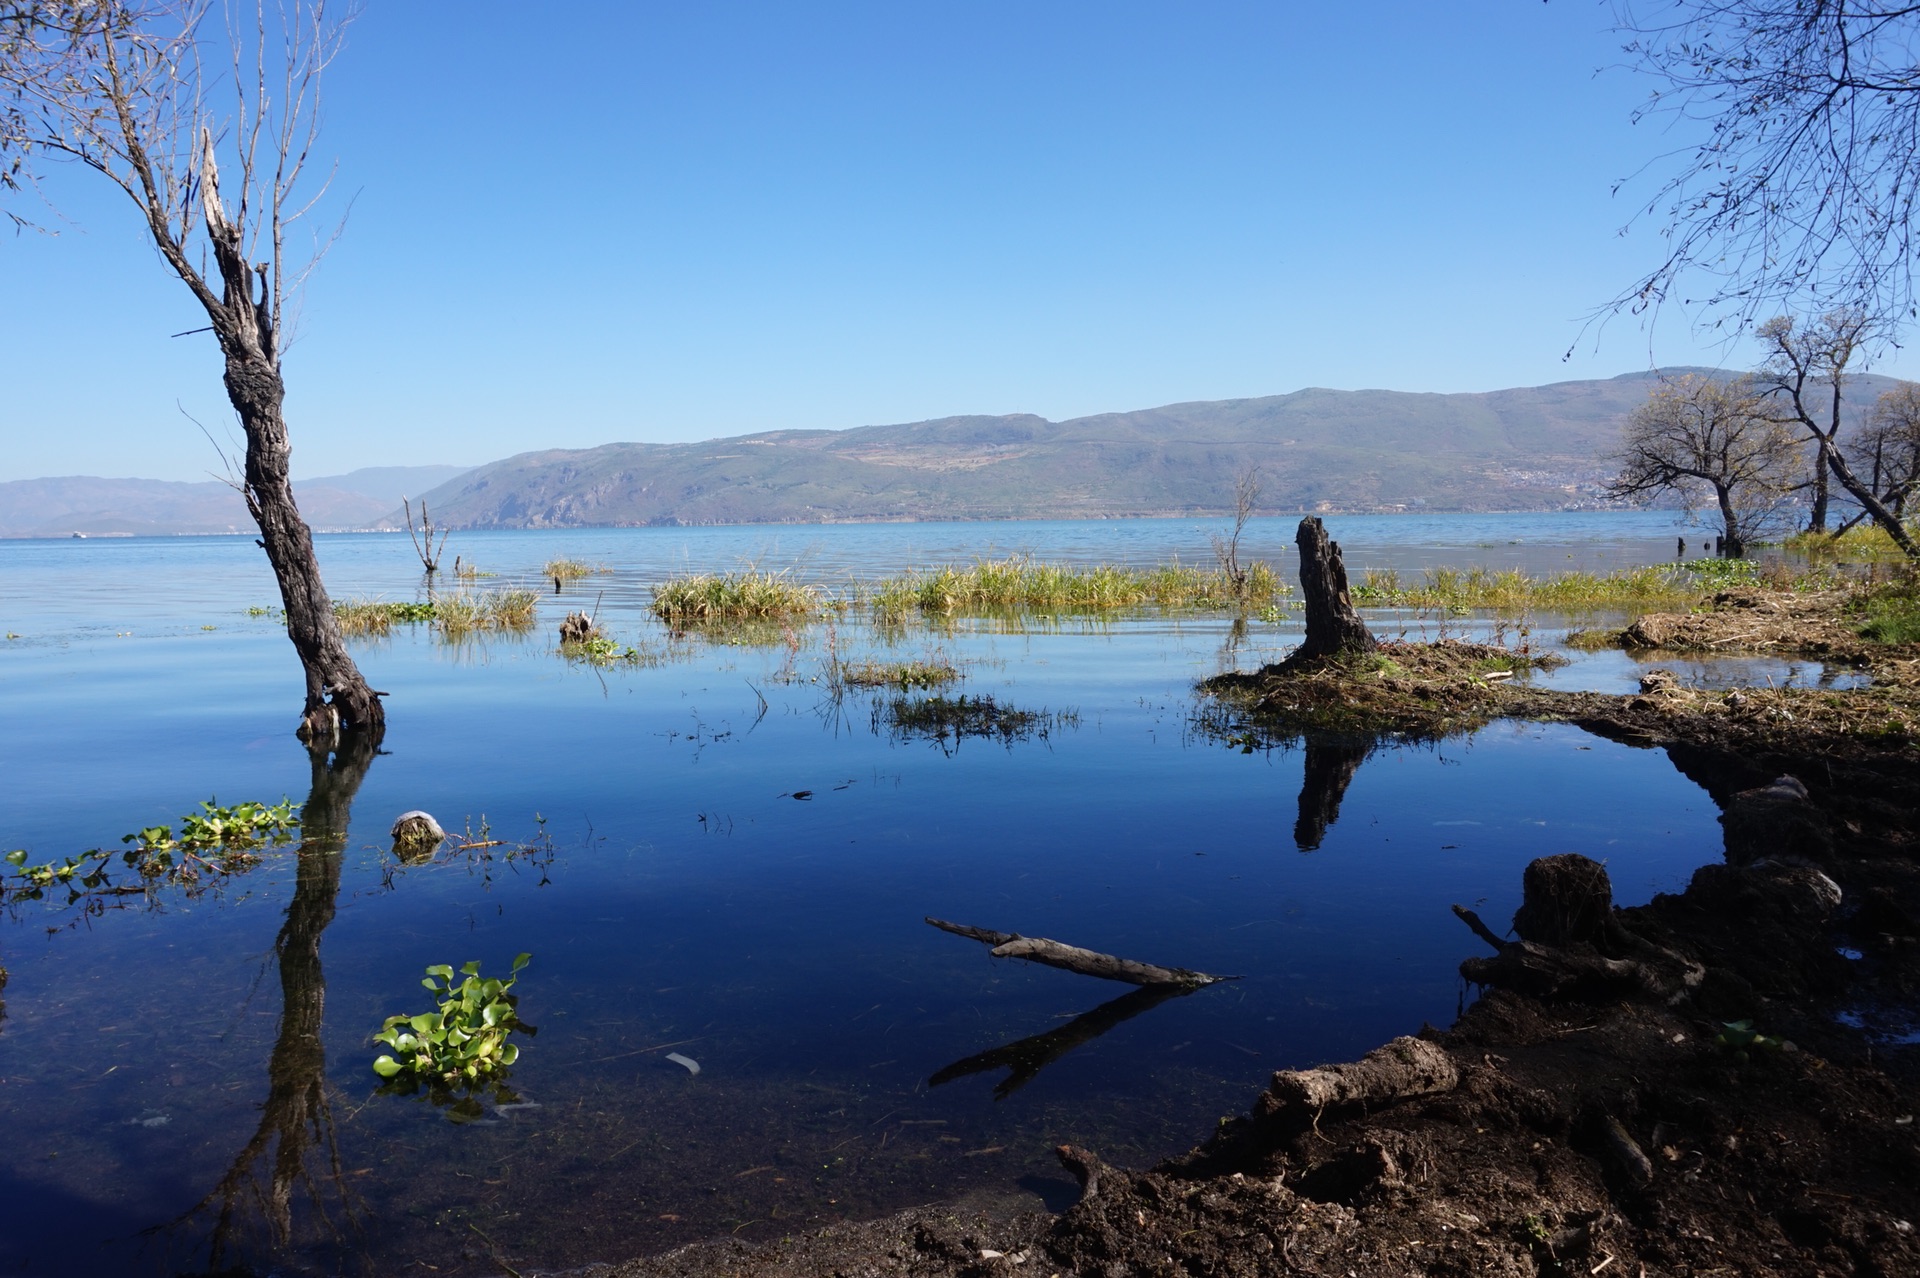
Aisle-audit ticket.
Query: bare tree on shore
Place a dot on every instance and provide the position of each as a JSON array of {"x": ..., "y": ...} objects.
[
  {"x": 1703, "y": 439},
  {"x": 1805, "y": 375},
  {"x": 1888, "y": 447}
]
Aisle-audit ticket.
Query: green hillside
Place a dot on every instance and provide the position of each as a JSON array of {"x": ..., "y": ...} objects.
[{"x": 1526, "y": 449}]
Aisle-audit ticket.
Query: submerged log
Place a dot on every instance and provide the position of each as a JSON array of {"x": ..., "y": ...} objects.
[
  {"x": 1333, "y": 627},
  {"x": 1074, "y": 959}
]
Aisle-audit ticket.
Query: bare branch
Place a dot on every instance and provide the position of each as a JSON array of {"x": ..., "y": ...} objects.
[{"x": 1797, "y": 178}]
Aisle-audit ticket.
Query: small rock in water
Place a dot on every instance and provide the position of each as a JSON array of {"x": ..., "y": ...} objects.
[{"x": 693, "y": 1066}]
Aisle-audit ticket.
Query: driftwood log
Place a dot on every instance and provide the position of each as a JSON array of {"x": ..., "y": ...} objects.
[
  {"x": 1333, "y": 627},
  {"x": 1402, "y": 1068},
  {"x": 1572, "y": 943},
  {"x": 1074, "y": 959}
]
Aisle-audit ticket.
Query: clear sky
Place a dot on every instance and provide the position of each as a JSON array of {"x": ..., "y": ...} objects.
[{"x": 667, "y": 222}]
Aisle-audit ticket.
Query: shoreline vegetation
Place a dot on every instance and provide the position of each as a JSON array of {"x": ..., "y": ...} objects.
[{"x": 715, "y": 603}]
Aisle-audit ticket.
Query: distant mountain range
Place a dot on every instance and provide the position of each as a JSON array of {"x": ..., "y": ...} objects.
[
  {"x": 1533, "y": 448},
  {"x": 1529, "y": 449},
  {"x": 93, "y": 507}
]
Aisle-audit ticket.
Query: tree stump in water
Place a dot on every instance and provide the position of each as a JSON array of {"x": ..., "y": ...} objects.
[
  {"x": 1333, "y": 627},
  {"x": 1566, "y": 900},
  {"x": 1573, "y": 945},
  {"x": 577, "y": 628}
]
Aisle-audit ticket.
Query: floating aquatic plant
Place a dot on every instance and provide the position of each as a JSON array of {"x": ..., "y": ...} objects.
[{"x": 464, "y": 1039}]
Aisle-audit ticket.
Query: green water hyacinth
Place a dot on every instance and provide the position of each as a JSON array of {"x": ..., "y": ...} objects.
[{"x": 465, "y": 1039}]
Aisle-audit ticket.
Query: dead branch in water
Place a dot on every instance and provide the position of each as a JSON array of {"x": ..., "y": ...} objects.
[{"x": 1074, "y": 959}]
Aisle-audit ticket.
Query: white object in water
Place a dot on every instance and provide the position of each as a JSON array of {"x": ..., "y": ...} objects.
[
  {"x": 693, "y": 1066},
  {"x": 406, "y": 822}
]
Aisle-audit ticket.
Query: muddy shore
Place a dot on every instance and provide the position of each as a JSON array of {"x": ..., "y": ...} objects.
[{"x": 1722, "y": 1081}]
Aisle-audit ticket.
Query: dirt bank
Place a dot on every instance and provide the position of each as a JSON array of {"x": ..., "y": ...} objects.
[{"x": 1712, "y": 1083}]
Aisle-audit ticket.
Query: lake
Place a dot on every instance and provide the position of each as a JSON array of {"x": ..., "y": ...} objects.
[{"x": 717, "y": 854}]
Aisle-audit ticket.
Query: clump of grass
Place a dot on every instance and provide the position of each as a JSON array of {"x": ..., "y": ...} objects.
[
  {"x": 468, "y": 611},
  {"x": 1591, "y": 640},
  {"x": 1860, "y": 544},
  {"x": 1018, "y": 583},
  {"x": 733, "y": 597},
  {"x": 946, "y": 721},
  {"x": 1512, "y": 590},
  {"x": 570, "y": 569},
  {"x": 905, "y": 675},
  {"x": 604, "y": 650},
  {"x": 1892, "y": 617},
  {"x": 378, "y": 616}
]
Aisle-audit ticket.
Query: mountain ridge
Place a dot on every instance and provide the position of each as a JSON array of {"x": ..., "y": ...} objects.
[
  {"x": 93, "y": 506},
  {"x": 1318, "y": 449}
]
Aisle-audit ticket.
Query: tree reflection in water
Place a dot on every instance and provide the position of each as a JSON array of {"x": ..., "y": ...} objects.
[
  {"x": 295, "y": 1148},
  {"x": 1332, "y": 759},
  {"x": 1028, "y": 1056}
]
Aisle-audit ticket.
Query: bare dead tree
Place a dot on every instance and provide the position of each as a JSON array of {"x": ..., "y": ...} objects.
[
  {"x": 128, "y": 91},
  {"x": 1805, "y": 375},
  {"x": 1888, "y": 447},
  {"x": 428, "y": 552},
  {"x": 1699, "y": 438},
  {"x": 1799, "y": 157},
  {"x": 1226, "y": 548}
]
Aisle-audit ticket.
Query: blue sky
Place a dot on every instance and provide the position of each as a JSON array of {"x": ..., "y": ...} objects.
[{"x": 673, "y": 222}]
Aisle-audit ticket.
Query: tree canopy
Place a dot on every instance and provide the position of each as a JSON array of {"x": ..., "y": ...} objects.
[
  {"x": 1794, "y": 180},
  {"x": 1710, "y": 441}
]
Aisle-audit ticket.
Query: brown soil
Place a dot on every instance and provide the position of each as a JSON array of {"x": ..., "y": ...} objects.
[{"x": 1706, "y": 1113}]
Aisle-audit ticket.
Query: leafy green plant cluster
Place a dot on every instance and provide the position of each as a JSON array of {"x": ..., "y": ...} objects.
[
  {"x": 464, "y": 1039},
  {"x": 218, "y": 840},
  {"x": 1723, "y": 574},
  {"x": 86, "y": 869},
  {"x": 1739, "y": 1038}
]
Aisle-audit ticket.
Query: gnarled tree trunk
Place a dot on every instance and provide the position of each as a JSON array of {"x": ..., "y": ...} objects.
[
  {"x": 1333, "y": 626},
  {"x": 338, "y": 698}
]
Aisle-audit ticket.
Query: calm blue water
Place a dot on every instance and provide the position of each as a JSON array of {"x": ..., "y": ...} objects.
[{"x": 154, "y": 1065}]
